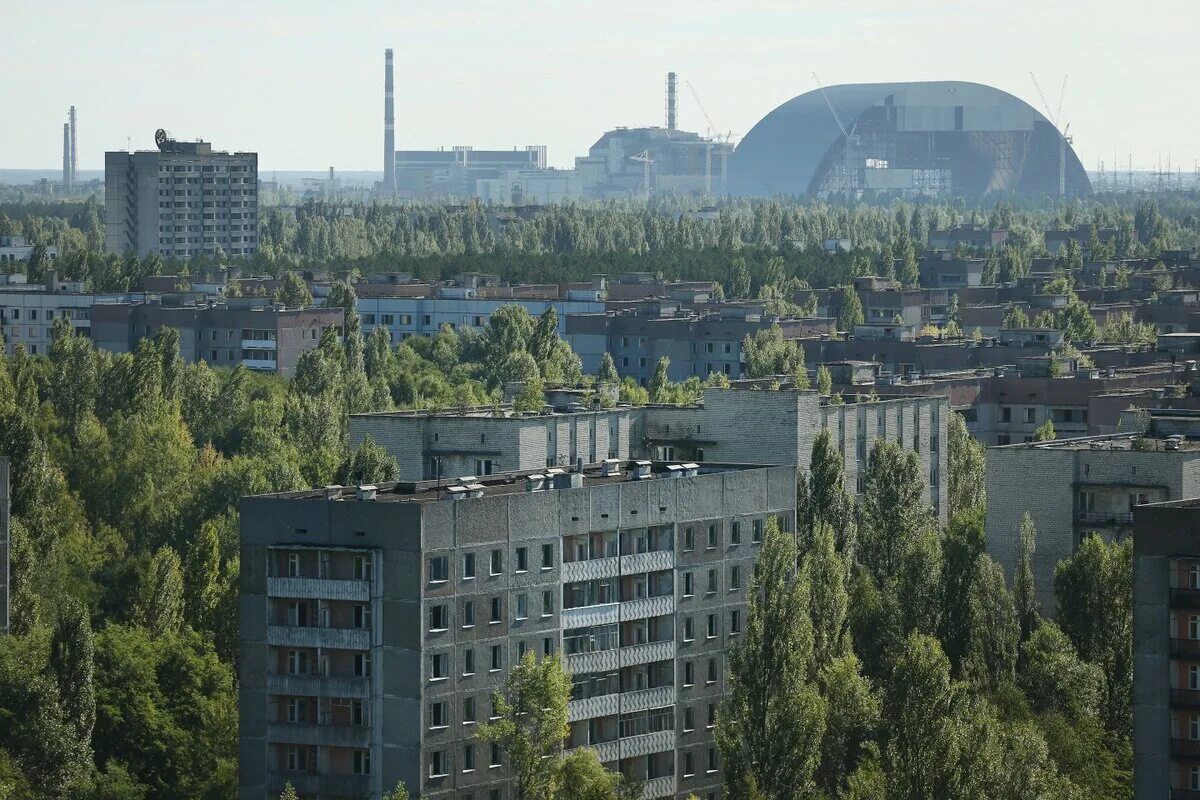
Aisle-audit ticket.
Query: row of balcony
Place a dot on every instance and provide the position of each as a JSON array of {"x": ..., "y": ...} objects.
[
  {"x": 622, "y": 702},
  {"x": 350, "y": 688},
  {"x": 616, "y": 566},
  {"x": 308, "y": 733},
  {"x": 332, "y": 638},
  {"x": 614, "y": 612},
  {"x": 618, "y": 658},
  {"x": 319, "y": 588},
  {"x": 313, "y": 784}
]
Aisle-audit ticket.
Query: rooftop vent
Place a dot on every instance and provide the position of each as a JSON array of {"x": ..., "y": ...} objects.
[
  {"x": 535, "y": 483},
  {"x": 610, "y": 467},
  {"x": 641, "y": 470},
  {"x": 465, "y": 491},
  {"x": 691, "y": 470},
  {"x": 333, "y": 492},
  {"x": 367, "y": 492}
]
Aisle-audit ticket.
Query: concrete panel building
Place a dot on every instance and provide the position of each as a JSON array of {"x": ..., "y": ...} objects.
[
  {"x": 1074, "y": 488},
  {"x": 734, "y": 425},
  {"x": 181, "y": 200},
  {"x": 376, "y": 622},
  {"x": 1166, "y": 650}
]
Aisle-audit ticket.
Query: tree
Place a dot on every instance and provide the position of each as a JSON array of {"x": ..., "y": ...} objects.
[
  {"x": 607, "y": 372},
  {"x": 737, "y": 280},
  {"x": 531, "y": 723},
  {"x": 1015, "y": 317},
  {"x": 660, "y": 383},
  {"x": 772, "y": 719},
  {"x": 768, "y": 353},
  {"x": 370, "y": 464},
  {"x": 893, "y": 511},
  {"x": 851, "y": 720},
  {"x": 995, "y": 632},
  {"x": 581, "y": 776},
  {"x": 824, "y": 381},
  {"x": 160, "y": 601},
  {"x": 1094, "y": 589},
  {"x": 1024, "y": 589},
  {"x": 289, "y": 792},
  {"x": 1055, "y": 679},
  {"x": 293, "y": 292},
  {"x": 823, "y": 498},
  {"x": 202, "y": 578},
  {"x": 71, "y": 654},
  {"x": 852, "y": 310},
  {"x": 532, "y": 396},
  {"x": 918, "y": 715},
  {"x": 828, "y": 599},
  {"x": 965, "y": 460},
  {"x": 1076, "y": 322}
]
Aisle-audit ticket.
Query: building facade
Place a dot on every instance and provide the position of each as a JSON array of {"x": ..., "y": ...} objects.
[
  {"x": 376, "y": 622},
  {"x": 1166, "y": 650},
  {"x": 181, "y": 200}
]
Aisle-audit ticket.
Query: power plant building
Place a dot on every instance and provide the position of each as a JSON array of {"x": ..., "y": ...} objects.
[
  {"x": 943, "y": 138},
  {"x": 181, "y": 200},
  {"x": 432, "y": 174}
]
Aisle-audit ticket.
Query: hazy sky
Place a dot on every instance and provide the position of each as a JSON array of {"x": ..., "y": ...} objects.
[{"x": 301, "y": 82}]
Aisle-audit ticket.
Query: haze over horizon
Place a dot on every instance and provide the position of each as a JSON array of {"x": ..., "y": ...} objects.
[{"x": 301, "y": 83}]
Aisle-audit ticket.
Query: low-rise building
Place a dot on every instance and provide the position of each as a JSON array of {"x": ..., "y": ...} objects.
[
  {"x": 17, "y": 250},
  {"x": 972, "y": 237}
]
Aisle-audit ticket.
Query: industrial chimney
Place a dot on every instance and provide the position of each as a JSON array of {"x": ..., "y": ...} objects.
[
  {"x": 66, "y": 157},
  {"x": 74, "y": 147},
  {"x": 389, "y": 127},
  {"x": 672, "y": 106}
]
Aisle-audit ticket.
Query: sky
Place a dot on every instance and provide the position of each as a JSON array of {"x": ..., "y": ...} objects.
[{"x": 301, "y": 82}]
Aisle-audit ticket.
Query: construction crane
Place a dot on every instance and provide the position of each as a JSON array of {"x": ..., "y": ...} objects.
[
  {"x": 646, "y": 160},
  {"x": 1056, "y": 120},
  {"x": 849, "y": 136}
]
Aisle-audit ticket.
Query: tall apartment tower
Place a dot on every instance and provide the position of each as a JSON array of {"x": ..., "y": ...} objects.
[
  {"x": 377, "y": 621},
  {"x": 181, "y": 200},
  {"x": 389, "y": 126}
]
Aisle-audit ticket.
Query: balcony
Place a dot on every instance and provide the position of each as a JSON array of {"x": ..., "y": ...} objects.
[
  {"x": 1185, "y": 698},
  {"x": 323, "y": 735},
  {"x": 587, "y": 616},
  {"x": 259, "y": 363},
  {"x": 648, "y": 562},
  {"x": 644, "y": 699},
  {"x": 1184, "y": 597},
  {"x": 647, "y": 743},
  {"x": 590, "y": 570},
  {"x": 258, "y": 344},
  {"x": 1104, "y": 519},
  {"x": 318, "y": 686},
  {"x": 1185, "y": 748},
  {"x": 647, "y": 653},
  {"x": 647, "y": 607},
  {"x": 332, "y": 638},
  {"x": 596, "y": 661},
  {"x": 319, "y": 589},
  {"x": 606, "y": 705},
  {"x": 659, "y": 787},
  {"x": 1185, "y": 648},
  {"x": 345, "y": 785}
]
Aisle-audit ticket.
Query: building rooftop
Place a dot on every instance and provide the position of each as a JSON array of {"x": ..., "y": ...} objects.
[{"x": 611, "y": 471}]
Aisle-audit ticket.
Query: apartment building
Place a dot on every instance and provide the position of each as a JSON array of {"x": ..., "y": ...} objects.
[
  {"x": 1166, "y": 650},
  {"x": 249, "y": 331},
  {"x": 17, "y": 249},
  {"x": 376, "y": 622},
  {"x": 731, "y": 425},
  {"x": 181, "y": 200},
  {"x": 1074, "y": 488},
  {"x": 28, "y": 310}
]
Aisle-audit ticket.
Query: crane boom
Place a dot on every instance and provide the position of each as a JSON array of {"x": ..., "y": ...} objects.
[
  {"x": 1042, "y": 95},
  {"x": 1061, "y": 94},
  {"x": 696, "y": 96},
  {"x": 836, "y": 118}
]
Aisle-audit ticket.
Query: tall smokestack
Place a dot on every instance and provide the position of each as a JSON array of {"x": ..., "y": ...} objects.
[
  {"x": 389, "y": 126},
  {"x": 66, "y": 156},
  {"x": 672, "y": 106},
  {"x": 74, "y": 146}
]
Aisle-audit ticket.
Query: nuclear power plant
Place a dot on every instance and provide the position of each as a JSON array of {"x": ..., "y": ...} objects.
[{"x": 855, "y": 141}]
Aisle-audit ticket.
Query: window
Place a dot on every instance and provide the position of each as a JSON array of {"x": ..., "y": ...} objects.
[
  {"x": 689, "y": 719},
  {"x": 735, "y": 622},
  {"x": 547, "y": 603},
  {"x": 1194, "y": 576},
  {"x": 712, "y": 582},
  {"x": 1194, "y": 626},
  {"x": 298, "y": 662},
  {"x": 1194, "y": 677},
  {"x": 468, "y": 569},
  {"x": 735, "y": 578},
  {"x": 689, "y": 629},
  {"x": 735, "y": 532},
  {"x": 689, "y": 765},
  {"x": 483, "y": 466},
  {"x": 1002, "y": 439},
  {"x": 495, "y": 610},
  {"x": 712, "y": 670},
  {"x": 497, "y": 658},
  {"x": 293, "y": 565},
  {"x": 468, "y": 758},
  {"x": 547, "y": 556},
  {"x": 468, "y": 710},
  {"x": 362, "y": 568},
  {"x": 497, "y": 565},
  {"x": 687, "y": 584},
  {"x": 522, "y": 559},
  {"x": 547, "y": 645},
  {"x": 1195, "y": 778},
  {"x": 712, "y": 716},
  {"x": 1030, "y": 415},
  {"x": 438, "y": 715},
  {"x": 1005, "y": 414},
  {"x": 710, "y": 629},
  {"x": 437, "y": 764},
  {"x": 521, "y": 648},
  {"x": 689, "y": 673},
  {"x": 297, "y": 759},
  {"x": 439, "y": 569},
  {"x": 522, "y": 606},
  {"x": 297, "y": 709},
  {"x": 469, "y": 661},
  {"x": 468, "y": 613},
  {"x": 362, "y": 616},
  {"x": 1194, "y": 728},
  {"x": 438, "y": 669},
  {"x": 437, "y": 618},
  {"x": 712, "y": 537},
  {"x": 362, "y": 665},
  {"x": 756, "y": 528},
  {"x": 712, "y": 759},
  {"x": 689, "y": 540}
]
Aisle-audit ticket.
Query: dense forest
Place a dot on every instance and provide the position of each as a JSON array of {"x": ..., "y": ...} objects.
[{"x": 577, "y": 241}]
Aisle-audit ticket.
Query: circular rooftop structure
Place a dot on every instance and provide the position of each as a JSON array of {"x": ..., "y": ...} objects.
[{"x": 933, "y": 138}]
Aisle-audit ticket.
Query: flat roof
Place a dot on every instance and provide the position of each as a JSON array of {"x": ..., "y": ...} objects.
[
  {"x": 508, "y": 483},
  {"x": 1117, "y": 441}
]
